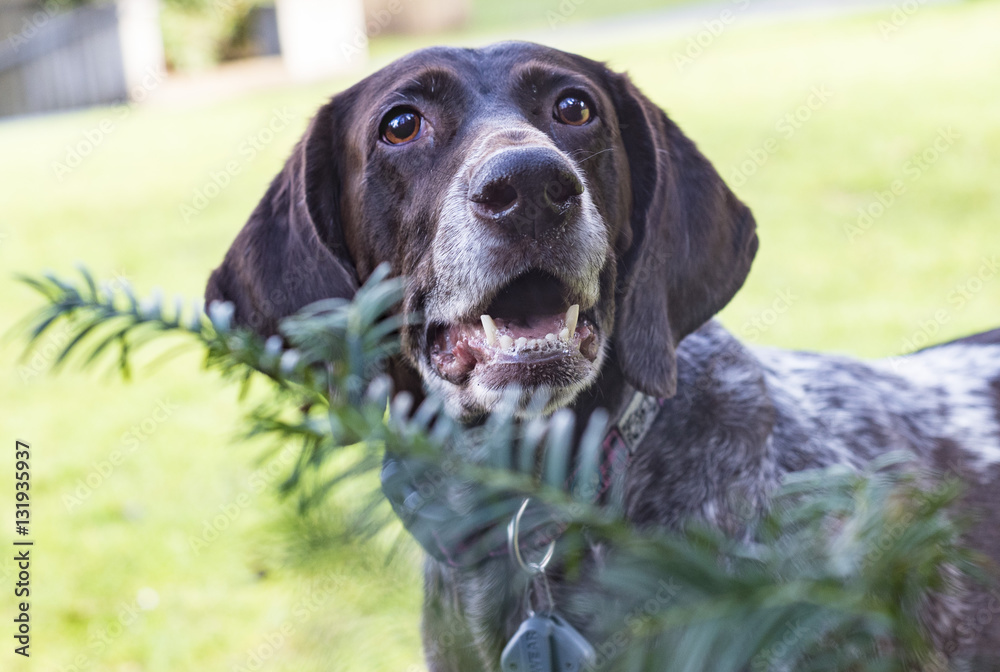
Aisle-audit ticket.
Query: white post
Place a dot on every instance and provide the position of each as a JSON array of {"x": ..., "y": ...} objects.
[
  {"x": 141, "y": 42},
  {"x": 320, "y": 38}
]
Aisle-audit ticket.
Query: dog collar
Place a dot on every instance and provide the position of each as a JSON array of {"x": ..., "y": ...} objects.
[
  {"x": 415, "y": 492},
  {"x": 620, "y": 444}
]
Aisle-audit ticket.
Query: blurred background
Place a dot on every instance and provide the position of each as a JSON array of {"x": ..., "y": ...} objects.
[{"x": 136, "y": 137}]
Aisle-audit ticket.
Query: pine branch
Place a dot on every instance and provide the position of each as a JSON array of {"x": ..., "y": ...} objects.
[{"x": 833, "y": 576}]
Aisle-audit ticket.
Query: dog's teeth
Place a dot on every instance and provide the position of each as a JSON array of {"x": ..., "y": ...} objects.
[
  {"x": 490, "y": 327},
  {"x": 564, "y": 334},
  {"x": 572, "y": 315},
  {"x": 506, "y": 342},
  {"x": 521, "y": 342},
  {"x": 551, "y": 337}
]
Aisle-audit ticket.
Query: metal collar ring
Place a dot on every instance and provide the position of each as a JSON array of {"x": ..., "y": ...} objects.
[{"x": 514, "y": 546}]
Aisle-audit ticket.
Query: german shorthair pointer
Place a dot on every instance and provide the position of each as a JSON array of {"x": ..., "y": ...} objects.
[{"x": 559, "y": 231}]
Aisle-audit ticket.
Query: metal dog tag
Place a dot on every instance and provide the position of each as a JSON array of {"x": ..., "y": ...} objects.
[
  {"x": 573, "y": 652},
  {"x": 544, "y": 642},
  {"x": 547, "y": 643},
  {"x": 530, "y": 649}
]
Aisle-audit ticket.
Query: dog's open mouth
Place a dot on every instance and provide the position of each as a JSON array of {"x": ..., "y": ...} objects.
[{"x": 531, "y": 333}]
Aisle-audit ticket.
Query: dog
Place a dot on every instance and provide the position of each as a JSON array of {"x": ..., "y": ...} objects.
[{"x": 559, "y": 232}]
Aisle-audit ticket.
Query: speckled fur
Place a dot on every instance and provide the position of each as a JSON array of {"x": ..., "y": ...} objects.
[
  {"x": 660, "y": 245},
  {"x": 741, "y": 419}
]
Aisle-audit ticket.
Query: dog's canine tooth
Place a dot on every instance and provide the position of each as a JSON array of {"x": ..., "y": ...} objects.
[
  {"x": 506, "y": 342},
  {"x": 564, "y": 334},
  {"x": 572, "y": 315},
  {"x": 490, "y": 327}
]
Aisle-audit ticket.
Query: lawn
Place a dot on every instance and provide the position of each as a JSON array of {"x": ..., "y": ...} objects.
[
  {"x": 490, "y": 15},
  {"x": 160, "y": 545}
]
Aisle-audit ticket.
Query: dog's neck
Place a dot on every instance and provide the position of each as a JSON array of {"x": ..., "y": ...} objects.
[
  {"x": 630, "y": 416},
  {"x": 610, "y": 392}
]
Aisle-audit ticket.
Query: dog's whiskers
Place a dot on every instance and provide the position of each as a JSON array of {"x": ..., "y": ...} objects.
[{"x": 587, "y": 158}]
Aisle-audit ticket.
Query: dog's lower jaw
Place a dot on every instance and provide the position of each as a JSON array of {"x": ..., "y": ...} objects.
[{"x": 470, "y": 400}]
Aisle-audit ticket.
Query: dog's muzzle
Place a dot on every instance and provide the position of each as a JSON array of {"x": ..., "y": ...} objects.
[{"x": 517, "y": 259}]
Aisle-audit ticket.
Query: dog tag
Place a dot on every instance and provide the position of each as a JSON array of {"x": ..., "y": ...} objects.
[
  {"x": 573, "y": 652},
  {"x": 530, "y": 649}
]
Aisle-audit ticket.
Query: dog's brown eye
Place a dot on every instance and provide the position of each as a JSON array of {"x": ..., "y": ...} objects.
[
  {"x": 400, "y": 125},
  {"x": 573, "y": 110}
]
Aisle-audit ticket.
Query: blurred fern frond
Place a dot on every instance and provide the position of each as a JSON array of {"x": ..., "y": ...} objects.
[{"x": 833, "y": 576}]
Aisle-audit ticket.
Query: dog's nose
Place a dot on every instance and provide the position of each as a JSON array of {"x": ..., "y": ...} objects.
[{"x": 526, "y": 190}]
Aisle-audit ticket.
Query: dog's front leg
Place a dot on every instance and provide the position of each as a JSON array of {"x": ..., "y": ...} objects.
[{"x": 449, "y": 645}]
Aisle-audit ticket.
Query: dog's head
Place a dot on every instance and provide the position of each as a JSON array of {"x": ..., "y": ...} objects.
[{"x": 545, "y": 212}]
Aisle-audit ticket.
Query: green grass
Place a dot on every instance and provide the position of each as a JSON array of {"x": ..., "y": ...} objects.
[
  {"x": 119, "y": 213},
  {"x": 491, "y": 15}
]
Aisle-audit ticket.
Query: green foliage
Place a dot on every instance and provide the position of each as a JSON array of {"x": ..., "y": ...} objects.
[
  {"x": 832, "y": 576},
  {"x": 200, "y": 33}
]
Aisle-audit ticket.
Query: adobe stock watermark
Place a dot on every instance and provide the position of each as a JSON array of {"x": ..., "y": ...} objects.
[
  {"x": 30, "y": 25},
  {"x": 785, "y": 127},
  {"x": 272, "y": 303},
  {"x": 127, "y": 615},
  {"x": 776, "y": 657},
  {"x": 898, "y": 527},
  {"x": 256, "y": 483},
  {"x": 711, "y": 30},
  {"x": 134, "y": 438},
  {"x": 620, "y": 640},
  {"x": 319, "y": 594},
  {"x": 900, "y": 15},
  {"x": 561, "y": 14},
  {"x": 958, "y": 298},
  {"x": 220, "y": 7},
  {"x": 913, "y": 169},
  {"x": 760, "y": 323},
  {"x": 249, "y": 148},
  {"x": 374, "y": 25},
  {"x": 973, "y": 622},
  {"x": 44, "y": 353},
  {"x": 90, "y": 139}
]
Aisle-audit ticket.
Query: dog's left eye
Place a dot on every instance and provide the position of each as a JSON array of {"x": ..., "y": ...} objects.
[
  {"x": 400, "y": 125},
  {"x": 573, "y": 110}
]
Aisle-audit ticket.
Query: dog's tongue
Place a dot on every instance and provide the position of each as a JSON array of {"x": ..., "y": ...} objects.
[
  {"x": 531, "y": 339},
  {"x": 465, "y": 357}
]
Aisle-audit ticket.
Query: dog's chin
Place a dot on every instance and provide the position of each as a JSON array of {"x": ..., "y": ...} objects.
[
  {"x": 533, "y": 382},
  {"x": 538, "y": 375}
]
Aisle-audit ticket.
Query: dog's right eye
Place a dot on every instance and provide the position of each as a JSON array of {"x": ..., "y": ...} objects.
[{"x": 400, "y": 125}]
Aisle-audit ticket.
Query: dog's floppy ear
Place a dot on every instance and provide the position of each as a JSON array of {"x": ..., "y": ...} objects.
[
  {"x": 291, "y": 252},
  {"x": 692, "y": 243}
]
